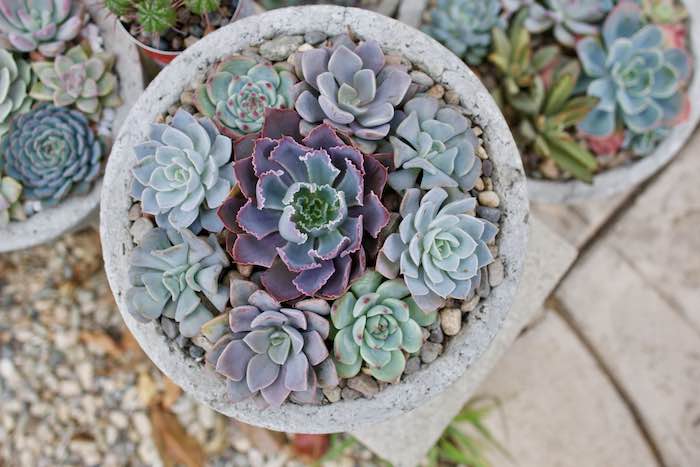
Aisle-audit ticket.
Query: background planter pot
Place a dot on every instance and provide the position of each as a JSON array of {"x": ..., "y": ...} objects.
[
  {"x": 509, "y": 181},
  {"x": 77, "y": 211},
  {"x": 622, "y": 178}
]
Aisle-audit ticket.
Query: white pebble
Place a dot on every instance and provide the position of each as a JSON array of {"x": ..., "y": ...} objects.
[{"x": 489, "y": 199}]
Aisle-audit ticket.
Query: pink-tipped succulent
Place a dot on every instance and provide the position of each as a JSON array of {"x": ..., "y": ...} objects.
[
  {"x": 265, "y": 349},
  {"x": 303, "y": 208}
]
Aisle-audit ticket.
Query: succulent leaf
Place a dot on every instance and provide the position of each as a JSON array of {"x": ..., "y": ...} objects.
[
  {"x": 10, "y": 208},
  {"x": 15, "y": 78},
  {"x": 156, "y": 16}
]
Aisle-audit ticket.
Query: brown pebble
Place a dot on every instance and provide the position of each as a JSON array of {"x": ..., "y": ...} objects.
[{"x": 437, "y": 91}]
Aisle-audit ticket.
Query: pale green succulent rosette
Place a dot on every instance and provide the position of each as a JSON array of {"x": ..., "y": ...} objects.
[
  {"x": 10, "y": 208},
  {"x": 15, "y": 78},
  {"x": 377, "y": 321}
]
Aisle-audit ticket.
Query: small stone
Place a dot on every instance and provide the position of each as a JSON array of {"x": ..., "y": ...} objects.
[
  {"x": 451, "y": 321},
  {"x": 484, "y": 288},
  {"x": 422, "y": 79},
  {"x": 196, "y": 352},
  {"x": 437, "y": 91},
  {"x": 134, "y": 212},
  {"x": 412, "y": 365},
  {"x": 332, "y": 394},
  {"x": 489, "y": 199},
  {"x": 496, "y": 272},
  {"x": 430, "y": 351},
  {"x": 169, "y": 327},
  {"x": 493, "y": 215},
  {"x": 190, "y": 40},
  {"x": 181, "y": 341},
  {"x": 452, "y": 98},
  {"x": 549, "y": 169},
  {"x": 477, "y": 131},
  {"x": 187, "y": 97},
  {"x": 488, "y": 183},
  {"x": 245, "y": 269},
  {"x": 140, "y": 228},
  {"x": 315, "y": 37},
  {"x": 479, "y": 184},
  {"x": 280, "y": 48},
  {"x": 487, "y": 168},
  {"x": 364, "y": 384},
  {"x": 436, "y": 334},
  {"x": 481, "y": 152},
  {"x": 176, "y": 43},
  {"x": 350, "y": 394}
]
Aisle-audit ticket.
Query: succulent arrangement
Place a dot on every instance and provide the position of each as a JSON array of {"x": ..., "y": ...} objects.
[
  {"x": 586, "y": 84},
  {"x": 353, "y": 209},
  {"x": 58, "y": 91}
]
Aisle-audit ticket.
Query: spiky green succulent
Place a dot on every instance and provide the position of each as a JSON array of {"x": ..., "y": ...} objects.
[
  {"x": 440, "y": 248},
  {"x": 202, "y": 7},
  {"x": 15, "y": 79},
  {"x": 377, "y": 321},
  {"x": 119, "y": 7},
  {"x": 237, "y": 92},
  {"x": 436, "y": 144},
  {"x": 52, "y": 152},
  {"x": 638, "y": 80},
  {"x": 464, "y": 26},
  {"x": 46, "y": 26},
  {"x": 156, "y": 16},
  {"x": 170, "y": 272},
  {"x": 79, "y": 78},
  {"x": 10, "y": 208}
]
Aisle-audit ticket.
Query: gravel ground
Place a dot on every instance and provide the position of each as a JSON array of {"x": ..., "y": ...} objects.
[{"x": 75, "y": 389}]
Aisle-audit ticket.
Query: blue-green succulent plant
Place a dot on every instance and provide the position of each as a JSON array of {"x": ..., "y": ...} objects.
[
  {"x": 184, "y": 173},
  {"x": 237, "y": 92},
  {"x": 15, "y": 78},
  {"x": 440, "y": 248},
  {"x": 464, "y": 26},
  {"x": 52, "y": 152},
  {"x": 169, "y": 273},
  {"x": 643, "y": 144},
  {"x": 377, "y": 321},
  {"x": 436, "y": 144},
  {"x": 638, "y": 79}
]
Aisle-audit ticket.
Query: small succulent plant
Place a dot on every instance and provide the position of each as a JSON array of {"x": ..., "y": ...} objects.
[
  {"x": 52, "y": 152},
  {"x": 643, "y": 144},
  {"x": 303, "y": 207},
  {"x": 168, "y": 272},
  {"x": 375, "y": 323},
  {"x": 569, "y": 19},
  {"x": 237, "y": 92},
  {"x": 436, "y": 144},
  {"x": 639, "y": 81},
  {"x": 184, "y": 173},
  {"x": 78, "y": 78},
  {"x": 352, "y": 90},
  {"x": 265, "y": 349},
  {"x": 10, "y": 208},
  {"x": 440, "y": 248},
  {"x": 664, "y": 11},
  {"x": 464, "y": 26},
  {"x": 156, "y": 16},
  {"x": 46, "y": 26},
  {"x": 15, "y": 78}
]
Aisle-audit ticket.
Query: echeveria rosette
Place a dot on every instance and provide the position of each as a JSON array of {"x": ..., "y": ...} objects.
[
  {"x": 303, "y": 208},
  {"x": 435, "y": 143},
  {"x": 269, "y": 350},
  {"x": 352, "y": 90},
  {"x": 10, "y": 208},
  {"x": 464, "y": 26},
  {"x": 45, "y": 26},
  {"x": 237, "y": 92},
  {"x": 377, "y": 321},
  {"x": 643, "y": 144},
  {"x": 52, "y": 152},
  {"x": 440, "y": 248},
  {"x": 168, "y": 271},
  {"x": 183, "y": 173},
  {"x": 638, "y": 79},
  {"x": 78, "y": 78},
  {"x": 15, "y": 78}
]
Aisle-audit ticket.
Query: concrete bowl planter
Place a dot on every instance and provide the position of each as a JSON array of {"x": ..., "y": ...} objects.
[
  {"x": 77, "y": 211},
  {"x": 508, "y": 179},
  {"x": 624, "y": 177}
]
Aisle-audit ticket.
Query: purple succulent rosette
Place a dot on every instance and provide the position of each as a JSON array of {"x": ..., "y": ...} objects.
[{"x": 303, "y": 208}]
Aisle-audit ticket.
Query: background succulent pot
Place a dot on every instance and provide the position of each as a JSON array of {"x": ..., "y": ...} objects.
[
  {"x": 414, "y": 390},
  {"x": 75, "y": 211}
]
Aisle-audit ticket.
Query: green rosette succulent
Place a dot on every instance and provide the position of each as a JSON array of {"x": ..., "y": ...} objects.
[
  {"x": 10, "y": 208},
  {"x": 52, "y": 152},
  {"x": 440, "y": 248},
  {"x": 79, "y": 78},
  {"x": 643, "y": 144},
  {"x": 15, "y": 78},
  {"x": 638, "y": 80},
  {"x": 45, "y": 26},
  {"x": 169, "y": 272},
  {"x": 664, "y": 11},
  {"x": 237, "y": 92},
  {"x": 377, "y": 321},
  {"x": 464, "y": 26},
  {"x": 435, "y": 143}
]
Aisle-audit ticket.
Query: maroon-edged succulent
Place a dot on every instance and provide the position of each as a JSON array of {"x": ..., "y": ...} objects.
[{"x": 302, "y": 208}]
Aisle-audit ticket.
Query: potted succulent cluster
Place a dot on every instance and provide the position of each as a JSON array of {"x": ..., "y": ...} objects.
[
  {"x": 164, "y": 28},
  {"x": 590, "y": 87},
  {"x": 61, "y": 97},
  {"x": 314, "y": 229}
]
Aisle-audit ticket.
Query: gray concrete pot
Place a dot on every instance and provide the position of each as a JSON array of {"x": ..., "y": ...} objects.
[
  {"x": 78, "y": 211},
  {"x": 622, "y": 178},
  {"x": 509, "y": 181}
]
